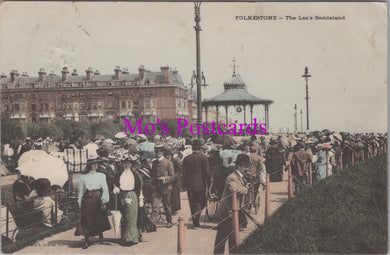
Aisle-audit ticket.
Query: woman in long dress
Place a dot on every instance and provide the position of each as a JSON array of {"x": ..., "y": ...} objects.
[
  {"x": 128, "y": 184},
  {"x": 92, "y": 198}
]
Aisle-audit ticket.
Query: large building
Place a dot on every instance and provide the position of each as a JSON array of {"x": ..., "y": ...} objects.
[{"x": 95, "y": 97}]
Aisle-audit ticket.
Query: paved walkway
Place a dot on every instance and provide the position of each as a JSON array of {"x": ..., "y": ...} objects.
[{"x": 164, "y": 241}]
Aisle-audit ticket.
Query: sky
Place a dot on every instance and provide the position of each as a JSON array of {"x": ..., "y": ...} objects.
[{"x": 347, "y": 58}]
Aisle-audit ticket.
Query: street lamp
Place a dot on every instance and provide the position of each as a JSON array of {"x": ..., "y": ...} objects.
[
  {"x": 307, "y": 76},
  {"x": 198, "y": 75}
]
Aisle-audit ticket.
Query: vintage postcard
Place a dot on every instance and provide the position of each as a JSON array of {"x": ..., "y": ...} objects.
[{"x": 194, "y": 127}]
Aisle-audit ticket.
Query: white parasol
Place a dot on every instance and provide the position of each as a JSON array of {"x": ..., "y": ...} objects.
[{"x": 41, "y": 165}]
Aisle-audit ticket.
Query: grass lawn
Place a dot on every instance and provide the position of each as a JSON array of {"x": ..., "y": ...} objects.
[{"x": 345, "y": 213}]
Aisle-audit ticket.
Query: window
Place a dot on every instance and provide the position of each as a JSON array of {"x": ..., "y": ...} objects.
[
  {"x": 147, "y": 104},
  {"x": 82, "y": 106},
  {"x": 33, "y": 107},
  {"x": 69, "y": 106},
  {"x": 109, "y": 105},
  {"x": 136, "y": 105},
  {"x": 17, "y": 107},
  {"x": 94, "y": 106},
  {"x": 75, "y": 106},
  {"x": 6, "y": 107},
  {"x": 44, "y": 106},
  {"x": 100, "y": 105},
  {"x": 153, "y": 104},
  {"x": 129, "y": 105},
  {"x": 123, "y": 105}
]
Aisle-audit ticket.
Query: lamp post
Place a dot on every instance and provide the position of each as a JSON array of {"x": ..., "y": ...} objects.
[
  {"x": 295, "y": 118},
  {"x": 198, "y": 74},
  {"x": 307, "y": 76},
  {"x": 301, "y": 123}
]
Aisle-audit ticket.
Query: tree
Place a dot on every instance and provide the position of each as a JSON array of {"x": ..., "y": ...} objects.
[
  {"x": 10, "y": 129},
  {"x": 72, "y": 130}
]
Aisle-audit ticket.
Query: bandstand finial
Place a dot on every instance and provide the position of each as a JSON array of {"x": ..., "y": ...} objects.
[{"x": 234, "y": 66}]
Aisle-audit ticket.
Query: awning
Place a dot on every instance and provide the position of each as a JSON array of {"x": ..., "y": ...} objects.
[
  {"x": 182, "y": 113},
  {"x": 44, "y": 116},
  {"x": 145, "y": 113},
  {"x": 126, "y": 114},
  {"x": 18, "y": 116}
]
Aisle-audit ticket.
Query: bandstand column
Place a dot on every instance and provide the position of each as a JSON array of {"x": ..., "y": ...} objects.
[
  {"x": 227, "y": 116},
  {"x": 217, "y": 115},
  {"x": 206, "y": 112},
  {"x": 244, "y": 113},
  {"x": 267, "y": 116},
  {"x": 251, "y": 113}
]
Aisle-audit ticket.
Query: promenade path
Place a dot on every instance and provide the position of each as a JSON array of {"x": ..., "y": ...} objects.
[{"x": 164, "y": 241}]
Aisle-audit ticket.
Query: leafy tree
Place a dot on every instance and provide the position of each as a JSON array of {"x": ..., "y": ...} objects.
[
  {"x": 51, "y": 130},
  {"x": 10, "y": 129},
  {"x": 33, "y": 131},
  {"x": 72, "y": 130},
  {"x": 107, "y": 129}
]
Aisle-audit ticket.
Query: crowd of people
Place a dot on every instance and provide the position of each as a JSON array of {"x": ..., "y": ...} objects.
[{"x": 127, "y": 173}]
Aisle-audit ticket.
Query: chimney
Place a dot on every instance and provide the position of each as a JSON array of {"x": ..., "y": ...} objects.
[
  {"x": 141, "y": 72},
  {"x": 2, "y": 75},
  {"x": 125, "y": 71},
  {"x": 42, "y": 74},
  {"x": 65, "y": 73},
  {"x": 25, "y": 74},
  {"x": 74, "y": 73},
  {"x": 165, "y": 74},
  {"x": 97, "y": 72},
  {"x": 89, "y": 74},
  {"x": 118, "y": 72},
  {"x": 14, "y": 74}
]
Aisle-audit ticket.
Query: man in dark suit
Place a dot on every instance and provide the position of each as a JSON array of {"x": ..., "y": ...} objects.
[
  {"x": 235, "y": 182},
  {"x": 196, "y": 178},
  {"x": 162, "y": 177}
]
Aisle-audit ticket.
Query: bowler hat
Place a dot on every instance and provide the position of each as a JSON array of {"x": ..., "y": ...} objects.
[
  {"x": 243, "y": 159},
  {"x": 196, "y": 144}
]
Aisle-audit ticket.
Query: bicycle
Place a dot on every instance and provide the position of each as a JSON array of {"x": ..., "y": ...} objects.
[
  {"x": 212, "y": 203},
  {"x": 254, "y": 201}
]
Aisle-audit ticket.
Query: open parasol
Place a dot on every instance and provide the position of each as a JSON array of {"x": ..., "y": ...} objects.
[{"x": 39, "y": 164}]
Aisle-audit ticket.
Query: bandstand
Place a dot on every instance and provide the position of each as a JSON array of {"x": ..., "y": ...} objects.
[{"x": 237, "y": 95}]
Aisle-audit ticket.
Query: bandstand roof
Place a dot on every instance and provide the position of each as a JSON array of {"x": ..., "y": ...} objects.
[{"x": 235, "y": 93}]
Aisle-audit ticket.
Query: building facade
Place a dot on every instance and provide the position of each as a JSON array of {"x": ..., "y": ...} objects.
[{"x": 94, "y": 97}]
